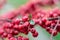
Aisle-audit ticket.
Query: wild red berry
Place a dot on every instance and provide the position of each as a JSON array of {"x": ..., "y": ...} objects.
[
  {"x": 55, "y": 33},
  {"x": 1, "y": 31},
  {"x": 26, "y": 24},
  {"x": 15, "y": 32},
  {"x": 4, "y": 35},
  {"x": 9, "y": 35},
  {"x": 33, "y": 30},
  {"x": 12, "y": 38},
  {"x": 25, "y": 18},
  {"x": 25, "y": 38},
  {"x": 20, "y": 38},
  {"x": 16, "y": 21},
  {"x": 47, "y": 28},
  {"x": 35, "y": 34},
  {"x": 16, "y": 26}
]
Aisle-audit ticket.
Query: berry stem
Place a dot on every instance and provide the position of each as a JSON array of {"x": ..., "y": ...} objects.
[
  {"x": 51, "y": 38},
  {"x": 55, "y": 18},
  {"x": 8, "y": 20}
]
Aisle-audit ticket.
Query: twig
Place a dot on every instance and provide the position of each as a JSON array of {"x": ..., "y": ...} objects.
[
  {"x": 51, "y": 38},
  {"x": 8, "y": 20},
  {"x": 55, "y": 18}
]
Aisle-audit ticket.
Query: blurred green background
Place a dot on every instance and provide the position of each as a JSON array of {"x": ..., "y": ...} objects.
[{"x": 13, "y": 4}]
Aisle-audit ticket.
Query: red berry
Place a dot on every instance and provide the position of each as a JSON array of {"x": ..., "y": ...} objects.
[
  {"x": 8, "y": 25},
  {"x": 21, "y": 27},
  {"x": 16, "y": 21},
  {"x": 25, "y": 38},
  {"x": 47, "y": 28},
  {"x": 15, "y": 26},
  {"x": 32, "y": 30},
  {"x": 9, "y": 35},
  {"x": 35, "y": 34},
  {"x": 26, "y": 24},
  {"x": 25, "y": 18},
  {"x": 4, "y": 35},
  {"x": 12, "y": 38},
  {"x": 20, "y": 38},
  {"x": 55, "y": 33},
  {"x": 1, "y": 31},
  {"x": 15, "y": 32}
]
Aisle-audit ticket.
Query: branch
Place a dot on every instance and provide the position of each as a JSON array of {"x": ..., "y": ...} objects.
[{"x": 51, "y": 38}]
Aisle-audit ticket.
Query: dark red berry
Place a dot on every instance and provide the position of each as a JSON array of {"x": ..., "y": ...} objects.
[
  {"x": 15, "y": 26},
  {"x": 33, "y": 30},
  {"x": 35, "y": 34}
]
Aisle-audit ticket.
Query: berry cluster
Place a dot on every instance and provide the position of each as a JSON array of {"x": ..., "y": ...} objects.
[
  {"x": 31, "y": 15},
  {"x": 13, "y": 27}
]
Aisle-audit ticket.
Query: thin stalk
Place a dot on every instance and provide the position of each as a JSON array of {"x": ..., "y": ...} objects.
[
  {"x": 55, "y": 18},
  {"x": 51, "y": 37},
  {"x": 8, "y": 20}
]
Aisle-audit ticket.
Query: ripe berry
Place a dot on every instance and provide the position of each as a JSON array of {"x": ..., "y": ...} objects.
[
  {"x": 12, "y": 38},
  {"x": 16, "y": 21},
  {"x": 9, "y": 35},
  {"x": 1, "y": 31},
  {"x": 25, "y": 38},
  {"x": 25, "y": 18},
  {"x": 35, "y": 34},
  {"x": 55, "y": 33},
  {"x": 36, "y": 21},
  {"x": 20, "y": 38},
  {"x": 15, "y": 32},
  {"x": 4, "y": 35},
  {"x": 32, "y": 30},
  {"x": 8, "y": 25},
  {"x": 26, "y": 24},
  {"x": 15, "y": 26},
  {"x": 47, "y": 28},
  {"x": 21, "y": 27}
]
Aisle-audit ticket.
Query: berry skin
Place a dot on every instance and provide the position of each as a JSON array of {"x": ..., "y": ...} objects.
[
  {"x": 15, "y": 32},
  {"x": 1, "y": 31},
  {"x": 51, "y": 15},
  {"x": 12, "y": 38},
  {"x": 36, "y": 21},
  {"x": 35, "y": 34},
  {"x": 25, "y": 39},
  {"x": 21, "y": 27},
  {"x": 20, "y": 38},
  {"x": 8, "y": 25},
  {"x": 11, "y": 31},
  {"x": 47, "y": 28},
  {"x": 26, "y": 24},
  {"x": 55, "y": 33},
  {"x": 9, "y": 35},
  {"x": 15, "y": 26},
  {"x": 4, "y": 35},
  {"x": 32, "y": 30},
  {"x": 16, "y": 21},
  {"x": 25, "y": 18}
]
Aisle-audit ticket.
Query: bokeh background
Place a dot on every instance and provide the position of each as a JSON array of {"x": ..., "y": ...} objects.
[{"x": 14, "y": 4}]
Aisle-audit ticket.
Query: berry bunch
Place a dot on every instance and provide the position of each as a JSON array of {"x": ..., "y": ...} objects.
[
  {"x": 13, "y": 27},
  {"x": 31, "y": 15}
]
